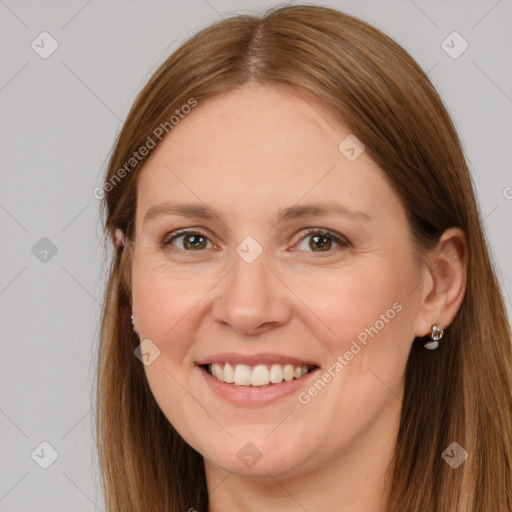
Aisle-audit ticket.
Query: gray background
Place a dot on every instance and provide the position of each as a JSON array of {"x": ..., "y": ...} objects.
[{"x": 59, "y": 117}]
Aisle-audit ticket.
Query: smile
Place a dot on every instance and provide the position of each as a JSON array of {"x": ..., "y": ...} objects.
[
  {"x": 256, "y": 379},
  {"x": 257, "y": 375}
]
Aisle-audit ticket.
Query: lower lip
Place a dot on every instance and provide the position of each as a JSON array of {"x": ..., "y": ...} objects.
[{"x": 256, "y": 395}]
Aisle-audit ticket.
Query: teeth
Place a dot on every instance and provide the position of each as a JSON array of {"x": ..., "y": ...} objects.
[
  {"x": 229, "y": 373},
  {"x": 242, "y": 375},
  {"x": 288, "y": 372},
  {"x": 217, "y": 371},
  {"x": 276, "y": 373},
  {"x": 259, "y": 375}
]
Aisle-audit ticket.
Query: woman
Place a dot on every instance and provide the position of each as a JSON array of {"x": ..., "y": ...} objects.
[{"x": 301, "y": 311}]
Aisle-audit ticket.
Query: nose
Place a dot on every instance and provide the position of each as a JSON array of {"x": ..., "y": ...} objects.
[{"x": 252, "y": 298}]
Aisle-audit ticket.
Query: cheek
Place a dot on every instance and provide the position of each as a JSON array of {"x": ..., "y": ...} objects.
[
  {"x": 168, "y": 310},
  {"x": 168, "y": 306},
  {"x": 369, "y": 315},
  {"x": 359, "y": 304}
]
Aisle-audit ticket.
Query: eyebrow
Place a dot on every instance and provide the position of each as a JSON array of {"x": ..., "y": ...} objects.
[{"x": 197, "y": 210}]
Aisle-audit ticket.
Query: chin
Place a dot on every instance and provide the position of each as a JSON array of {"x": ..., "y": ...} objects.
[
  {"x": 252, "y": 452},
  {"x": 253, "y": 462}
]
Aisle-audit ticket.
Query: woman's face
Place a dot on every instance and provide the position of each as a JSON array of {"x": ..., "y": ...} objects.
[{"x": 250, "y": 286}]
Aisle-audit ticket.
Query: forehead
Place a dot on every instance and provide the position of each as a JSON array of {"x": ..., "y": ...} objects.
[{"x": 260, "y": 148}]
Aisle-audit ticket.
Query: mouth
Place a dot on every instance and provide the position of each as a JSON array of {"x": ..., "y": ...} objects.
[
  {"x": 257, "y": 375},
  {"x": 256, "y": 379}
]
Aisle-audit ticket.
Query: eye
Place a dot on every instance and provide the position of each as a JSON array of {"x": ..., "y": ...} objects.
[
  {"x": 192, "y": 240},
  {"x": 322, "y": 239}
]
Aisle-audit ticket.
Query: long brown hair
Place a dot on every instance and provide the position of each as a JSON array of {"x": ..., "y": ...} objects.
[{"x": 462, "y": 392}]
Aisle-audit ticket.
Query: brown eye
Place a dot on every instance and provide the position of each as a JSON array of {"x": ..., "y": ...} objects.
[
  {"x": 192, "y": 241},
  {"x": 322, "y": 240}
]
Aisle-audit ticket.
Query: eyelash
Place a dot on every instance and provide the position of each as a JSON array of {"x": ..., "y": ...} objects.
[{"x": 340, "y": 240}]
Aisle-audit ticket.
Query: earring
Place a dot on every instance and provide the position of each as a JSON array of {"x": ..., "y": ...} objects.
[{"x": 435, "y": 336}]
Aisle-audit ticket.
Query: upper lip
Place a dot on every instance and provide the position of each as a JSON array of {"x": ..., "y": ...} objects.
[{"x": 253, "y": 359}]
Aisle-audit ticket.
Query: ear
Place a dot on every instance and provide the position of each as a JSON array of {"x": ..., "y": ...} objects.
[
  {"x": 444, "y": 282},
  {"x": 118, "y": 238}
]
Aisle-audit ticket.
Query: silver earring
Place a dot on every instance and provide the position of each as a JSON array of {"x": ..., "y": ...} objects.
[
  {"x": 435, "y": 336},
  {"x": 133, "y": 322}
]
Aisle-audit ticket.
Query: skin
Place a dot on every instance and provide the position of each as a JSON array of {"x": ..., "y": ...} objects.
[{"x": 247, "y": 154}]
